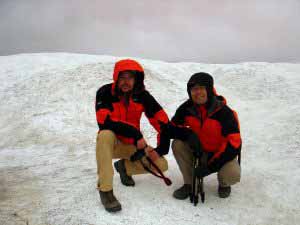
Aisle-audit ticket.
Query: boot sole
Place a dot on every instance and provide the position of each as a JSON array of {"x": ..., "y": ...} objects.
[
  {"x": 180, "y": 198},
  {"x": 224, "y": 194},
  {"x": 114, "y": 210}
]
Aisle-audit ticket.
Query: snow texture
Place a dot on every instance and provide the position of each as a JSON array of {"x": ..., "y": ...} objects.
[{"x": 48, "y": 131}]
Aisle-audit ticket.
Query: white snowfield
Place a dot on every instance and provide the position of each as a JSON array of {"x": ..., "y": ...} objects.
[{"x": 48, "y": 131}]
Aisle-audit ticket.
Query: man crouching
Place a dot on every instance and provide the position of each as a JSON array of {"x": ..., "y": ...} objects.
[
  {"x": 119, "y": 107},
  {"x": 217, "y": 128}
]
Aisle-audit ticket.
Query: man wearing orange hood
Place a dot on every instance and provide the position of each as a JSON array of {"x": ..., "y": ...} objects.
[{"x": 119, "y": 107}]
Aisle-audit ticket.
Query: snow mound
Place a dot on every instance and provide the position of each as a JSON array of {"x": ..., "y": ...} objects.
[{"x": 48, "y": 131}]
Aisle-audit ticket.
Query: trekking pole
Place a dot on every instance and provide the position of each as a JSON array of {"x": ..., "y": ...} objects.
[
  {"x": 193, "y": 183},
  {"x": 195, "y": 186},
  {"x": 202, "y": 193},
  {"x": 201, "y": 179}
]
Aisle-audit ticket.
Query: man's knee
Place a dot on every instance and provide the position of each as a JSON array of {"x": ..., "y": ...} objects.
[
  {"x": 230, "y": 173},
  {"x": 162, "y": 164},
  {"x": 178, "y": 146},
  {"x": 106, "y": 136}
]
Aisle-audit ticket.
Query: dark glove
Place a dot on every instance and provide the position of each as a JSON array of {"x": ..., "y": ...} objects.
[
  {"x": 164, "y": 144},
  {"x": 202, "y": 169},
  {"x": 195, "y": 145},
  {"x": 137, "y": 155},
  {"x": 165, "y": 126}
]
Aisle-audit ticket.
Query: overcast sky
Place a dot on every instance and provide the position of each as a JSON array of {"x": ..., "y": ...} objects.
[{"x": 215, "y": 31}]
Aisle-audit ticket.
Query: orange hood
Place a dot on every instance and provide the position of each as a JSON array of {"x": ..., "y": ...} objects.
[{"x": 131, "y": 65}]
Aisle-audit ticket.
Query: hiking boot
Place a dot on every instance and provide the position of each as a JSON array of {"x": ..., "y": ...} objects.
[
  {"x": 120, "y": 168},
  {"x": 183, "y": 192},
  {"x": 224, "y": 192},
  {"x": 109, "y": 201}
]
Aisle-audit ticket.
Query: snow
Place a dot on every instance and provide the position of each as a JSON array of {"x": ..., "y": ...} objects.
[{"x": 48, "y": 131}]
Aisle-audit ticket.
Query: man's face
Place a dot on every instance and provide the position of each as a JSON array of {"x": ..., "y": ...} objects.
[
  {"x": 126, "y": 82},
  {"x": 199, "y": 94}
]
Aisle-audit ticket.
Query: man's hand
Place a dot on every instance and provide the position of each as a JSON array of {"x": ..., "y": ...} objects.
[
  {"x": 195, "y": 145},
  {"x": 141, "y": 144},
  {"x": 151, "y": 153},
  {"x": 202, "y": 170},
  {"x": 139, "y": 154}
]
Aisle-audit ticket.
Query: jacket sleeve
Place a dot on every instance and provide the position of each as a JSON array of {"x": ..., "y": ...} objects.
[
  {"x": 155, "y": 114},
  {"x": 232, "y": 145},
  {"x": 104, "y": 108},
  {"x": 178, "y": 118},
  {"x": 176, "y": 130}
]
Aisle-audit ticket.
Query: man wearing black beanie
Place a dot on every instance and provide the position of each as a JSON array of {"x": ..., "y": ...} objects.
[{"x": 215, "y": 127}]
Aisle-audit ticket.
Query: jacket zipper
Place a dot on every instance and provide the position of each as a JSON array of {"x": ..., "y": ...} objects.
[
  {"x": 201, "y": 119},
  {"x": 126, "y": 110}
]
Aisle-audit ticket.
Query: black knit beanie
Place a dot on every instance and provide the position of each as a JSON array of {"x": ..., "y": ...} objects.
[{"x": 202, "y": 79}]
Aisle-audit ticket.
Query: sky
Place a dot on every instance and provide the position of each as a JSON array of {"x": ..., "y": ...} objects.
[{"x": 227, "y": 31}]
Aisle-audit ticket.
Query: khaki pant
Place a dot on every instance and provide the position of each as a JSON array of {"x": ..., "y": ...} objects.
[
  {"x": 108, "y": 148},
  {"x": 228, "y": 175}
]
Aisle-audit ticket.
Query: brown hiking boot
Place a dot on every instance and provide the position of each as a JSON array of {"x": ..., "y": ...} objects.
[
  {"x": 183, "y": 192},
  {"x": 125, "y": 179},
  {"x": 109, "y": 201},
  {"x": 224, "y": 192}
]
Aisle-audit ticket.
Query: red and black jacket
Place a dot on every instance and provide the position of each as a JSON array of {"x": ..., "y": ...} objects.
[
  {"x": 216, "y": 126},
  {"x": 124, "y": 119}
]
